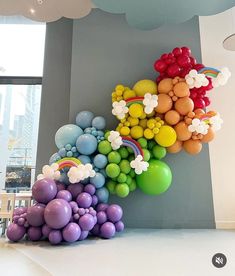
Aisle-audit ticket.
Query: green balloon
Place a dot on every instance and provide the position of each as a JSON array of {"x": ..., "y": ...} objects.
[
  {"x": 125, "y": 166},
  {"x": 111, "y": 186},
  {"x": 146, "y": 155},
  {"x": 122, "y": 190},
  {"x": 121, "y": 178},
  {"x": 143, "y": 142},
  {"x": 159, "y": 152},
  {"x": 112, "y": 170},
  {"x": 156, "y": 180},
  {"x": 123, "y": 152},
  {"x": 104, "y": 147},
  {"x": 114, "y": 157}
]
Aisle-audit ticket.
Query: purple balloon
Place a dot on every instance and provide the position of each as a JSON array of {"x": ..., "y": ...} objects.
[
  {"x": 84, "y": 235},
  {"x": 55, "y": 237},
  {"x": 71, "y": 232},
  {"x": 21, "y": 221},
  {"x": 19, "y": 211},
  {"x": 102, "y": 207},
  {"x": 86, "y": 222},
  {"x": 66, "y": 195},
  {"x": 94, "y": 200},
  {"x": 57, "y": 213},
  {"x": 84, "y": 200},
  {"x": 46, "y": 230},
  {"x": 60, "y": 186},
  {"x": 75, "y": 189},
  {"x": 107, "y": 230},
  {"x": 34, "y": 233},
  {"x": 90, "y": 189},
  {"x": 81, "y": 211},
  {"x": 96, "y": 230},
  {"x": 35, "y": 215},
  {"x": 114, "y": 212},
  {"x": 44, "y": 190},
  {"x": 101, "y": 217},
  {"x": 119, "y": 226},
  {"x": 15, "y": 232},
  {"x": 73, "y": 204}
]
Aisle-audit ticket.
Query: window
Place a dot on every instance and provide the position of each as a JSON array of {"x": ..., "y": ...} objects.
[{"x": 21, "y": 66}]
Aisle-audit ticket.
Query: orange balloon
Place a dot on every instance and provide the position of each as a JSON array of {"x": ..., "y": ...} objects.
[
  {"x": 165, "y": 86},
  {"x": 181, "y": 89},
  {"x": 183, "y": 134},
  {"x": 192, "y": 146},
  {"x": 184, "y": 105},
  {"x": 209, "y": 136},
  {"x": 199, "y": 111},
  {"x": 164, "y": 103},
  {"x": 176, "y": 147},
  {"x": 172, "y": 117}
]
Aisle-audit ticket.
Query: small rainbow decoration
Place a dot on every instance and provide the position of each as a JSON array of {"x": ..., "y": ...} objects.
[
  {"x": 68, "y": 162},
  {"x": 135, "y": 146},
  {"x": 209, "y": 71},
  {"x": 134, "y": 100}
]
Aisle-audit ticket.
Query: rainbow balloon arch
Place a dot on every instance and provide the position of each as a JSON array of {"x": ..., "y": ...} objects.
[{"x": 156, "y": 117}]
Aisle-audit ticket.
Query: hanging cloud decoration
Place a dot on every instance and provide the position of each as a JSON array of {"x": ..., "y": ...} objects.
[
  {"x": 46, "y": 10},
  {"x": 151, "y": 14},
  {"x": 143, "y": 14}
]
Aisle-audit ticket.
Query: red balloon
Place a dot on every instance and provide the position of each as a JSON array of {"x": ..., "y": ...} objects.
[
  {"x": 184, "y": 71},
  {"x": 160, "y": 66},
  {"x": 170, "y": 55},
  {"x": 193, "y": 61},
  {"x": 193, "y": 95},
  {"x": 207, "y": 101},
  {"x": 173, "y": 70},
  {"x": 183, "y": 61},
  {"x": 177, "y": 52},
  {"x": 164, "y": 56},
  {"x": 186, "y": 51},
  {"x": 199, "y": 103},
  {"x": 198, "y": 66}
]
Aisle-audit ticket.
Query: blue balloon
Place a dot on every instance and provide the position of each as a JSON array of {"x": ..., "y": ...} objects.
[
  {"x": 103, "y": 172},
  {"x": 102, "y": 194},
  {"x": 67, "y": 134},
  {"x": 54, "y": 158},
  {"x": 62, "y": 152},
  {"x": 100, "y": 161},
  {"x": 84, "y": 159},
  {"x": 84, "y": 119},
  {"x": 98, "y": 180},
  {"x": 99, "y": 123},
  {"x": 64, "y": 178},
  {"x": 86, "y": 144}
]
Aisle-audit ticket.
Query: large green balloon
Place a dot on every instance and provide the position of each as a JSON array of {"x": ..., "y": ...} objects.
[{"x": 156, "y": 180}]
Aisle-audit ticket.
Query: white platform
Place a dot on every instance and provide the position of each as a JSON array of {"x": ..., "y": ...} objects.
[{"x": 133, "y": 253}]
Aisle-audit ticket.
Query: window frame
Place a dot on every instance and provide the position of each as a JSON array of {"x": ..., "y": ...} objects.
[{"x": 20, "y": 80}]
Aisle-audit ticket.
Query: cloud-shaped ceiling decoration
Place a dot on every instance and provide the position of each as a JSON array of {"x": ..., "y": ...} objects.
[
  {"x": 150, "y": 14},
  {"x": 143, "y": 14},
  {"x": 46, "y": 10}
]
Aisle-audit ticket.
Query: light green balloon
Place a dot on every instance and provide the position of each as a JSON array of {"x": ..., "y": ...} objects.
[{"x": 156, "y": 180}]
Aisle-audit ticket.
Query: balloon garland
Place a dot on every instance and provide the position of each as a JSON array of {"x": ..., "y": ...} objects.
[{"x": 168, "y": 115}]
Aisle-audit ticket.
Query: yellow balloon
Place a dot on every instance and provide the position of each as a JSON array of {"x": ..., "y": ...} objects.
[
  {"x": 166, "y": 136},
  {"x": 145, "y": 86}
]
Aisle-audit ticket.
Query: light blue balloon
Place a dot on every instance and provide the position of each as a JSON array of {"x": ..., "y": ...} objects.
[
  {"x": 86, "y": 144},
  {"x": 54, "y": 158},
  {"x": 67, "y": 134},
  {"x": 98, "y": 180},
  {"x": 64, "y": 178},
  {"x": 100, "y": 161},
  {"x": 84, "y": 159},
  {"x": 103, "y": 172},
  {"x": 102, "y": 194},
  {"x": 62, "y": 152},
  {"x": 99, "y": 123},
  {"x": 84, "y": 119}
]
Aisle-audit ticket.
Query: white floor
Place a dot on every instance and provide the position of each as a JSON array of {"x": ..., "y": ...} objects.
[{"x": 133, "y": 253}]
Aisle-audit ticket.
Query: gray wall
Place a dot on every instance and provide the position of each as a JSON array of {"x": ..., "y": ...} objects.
[
  {"x": 55, "y": 87},
  {"x": 106, "y": 51}
]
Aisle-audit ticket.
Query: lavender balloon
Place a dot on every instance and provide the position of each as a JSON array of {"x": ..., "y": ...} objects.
[
  {"x": 57, "y": 213},
  {"x": 86, "y": 222},
  {"x": 84, "y": 235},
  {"x": 71, "y": 232},
  {"x": 55, "y": 237},
  {"x": 15, "y": 232},
  {"x": 114, "y": 212},
  {"x": 35, "y": 215},
  {"x": 119, "y": 226},
  {"x": 75, "y": 189},
  {"x": 34, "y": 233},
  {"x": 84, "y": 200},
  {"x": 90, "y": 189},
  {"x": 96, "y": 230},
  {"x": 64, "y": 194},
  {"x": 102, "y": 207},
  {"x": 60, "y": 186},
  {"x": 101, "y": 217},
  {"x": 107, "y": 230},
  {"x": 44, "y": 190},
  {"x": 46, "y": 230}
]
